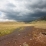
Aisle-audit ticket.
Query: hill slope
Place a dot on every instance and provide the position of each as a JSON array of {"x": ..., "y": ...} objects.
[{"x": 42, "y": 18}]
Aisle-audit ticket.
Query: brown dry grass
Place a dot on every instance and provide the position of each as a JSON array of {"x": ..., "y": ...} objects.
[
  {"x": 39, "y": 24},
  {"x": 8, "y": 27}
]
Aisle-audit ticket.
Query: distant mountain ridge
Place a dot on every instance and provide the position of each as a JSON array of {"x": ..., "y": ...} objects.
[{"x": 42, "y": 18}]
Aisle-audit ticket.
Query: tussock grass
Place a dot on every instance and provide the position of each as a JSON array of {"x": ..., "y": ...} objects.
[
  {"x": 9, "y": 27},
  {"x": 39, "y": 24}
]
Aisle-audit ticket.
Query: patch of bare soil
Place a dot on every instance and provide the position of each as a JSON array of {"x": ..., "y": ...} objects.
[{"x": 29, "y": 36}]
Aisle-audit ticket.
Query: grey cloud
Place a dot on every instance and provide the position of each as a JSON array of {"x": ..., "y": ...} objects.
[
  {"x": 10, "y": 5},
  {"x": 27, "y": 17},
  {"x": 22, "y": 15},
  {"x": 40, "y": 4}
]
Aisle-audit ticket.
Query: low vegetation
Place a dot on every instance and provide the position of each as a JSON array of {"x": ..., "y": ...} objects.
[
  {"x": 9, "y": 27},
  {"x": 39, "y": 24}
]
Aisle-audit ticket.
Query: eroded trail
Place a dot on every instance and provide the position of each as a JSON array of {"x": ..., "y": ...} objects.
[{"x": 22, "y": 37}]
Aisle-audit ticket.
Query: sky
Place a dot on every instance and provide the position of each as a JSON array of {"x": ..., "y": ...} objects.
[{"x": 22, "y": 10}]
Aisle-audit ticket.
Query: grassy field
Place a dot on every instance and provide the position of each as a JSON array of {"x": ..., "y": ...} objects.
[
  {"x": 9, "y": 27},
  {"x": 39, "y": 24}
]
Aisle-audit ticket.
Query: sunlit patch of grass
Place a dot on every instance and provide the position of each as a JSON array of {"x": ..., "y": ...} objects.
[{"x": 7, "y": 30}]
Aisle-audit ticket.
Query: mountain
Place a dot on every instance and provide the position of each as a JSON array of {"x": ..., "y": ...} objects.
[{"x": 43, "y": 18}]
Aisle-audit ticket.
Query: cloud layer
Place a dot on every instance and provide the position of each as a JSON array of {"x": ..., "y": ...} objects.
[{"x": 22, "y": 10}]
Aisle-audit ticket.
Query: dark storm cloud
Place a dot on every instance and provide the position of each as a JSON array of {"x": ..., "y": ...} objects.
[
  {"x": 27, "y": 17},
  {"x": 37, "y": 15},
  {"x": 25, "y": 10},
  {"x": 41, "y": 4}
]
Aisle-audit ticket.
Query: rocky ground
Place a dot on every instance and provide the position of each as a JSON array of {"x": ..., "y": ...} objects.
[{"x": 28, "y": 36}]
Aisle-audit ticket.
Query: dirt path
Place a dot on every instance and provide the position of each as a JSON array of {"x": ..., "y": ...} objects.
[{"x": 20, "y": 38}]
